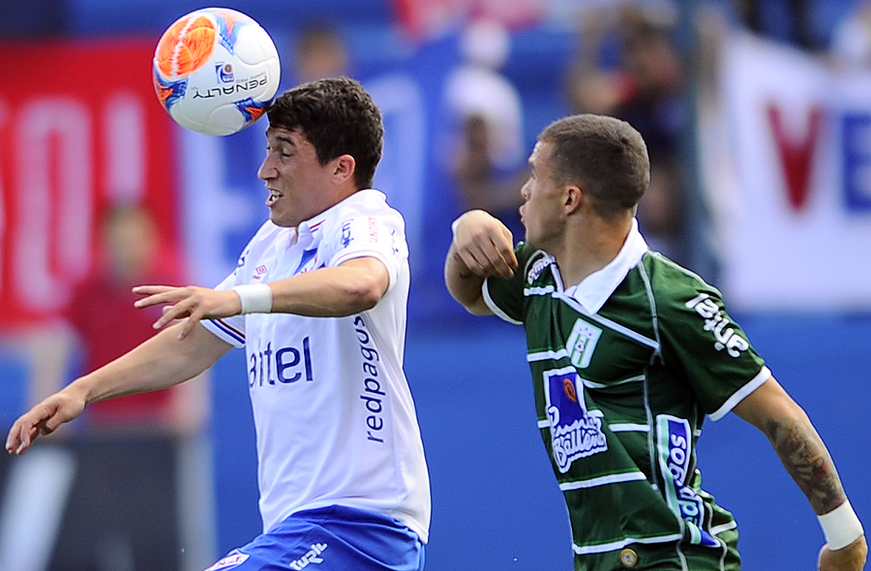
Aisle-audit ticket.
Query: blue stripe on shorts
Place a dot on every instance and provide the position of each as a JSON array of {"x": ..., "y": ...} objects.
[{"x": 335, "y": 538}]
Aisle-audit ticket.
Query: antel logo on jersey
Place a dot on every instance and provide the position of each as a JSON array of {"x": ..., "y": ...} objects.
[
  {"x": 725, "y": 337},
  {"x": 285, "y": 365},
  {"x": 234, "y": 559}
]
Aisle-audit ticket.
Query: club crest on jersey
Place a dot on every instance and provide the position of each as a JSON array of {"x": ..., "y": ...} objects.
[
  {"x": 716, "y": 321},
  {"x": 582, "y": 342},
  {"x": 574, "y": 431},
  {"x": 538, "y": 266}
]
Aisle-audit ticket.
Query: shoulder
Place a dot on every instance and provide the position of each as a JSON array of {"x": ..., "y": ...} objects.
[
  {"x": 369, "y": 205},
  {"x": 670, "y": 284},
  {"x": 532, "y": 262}
]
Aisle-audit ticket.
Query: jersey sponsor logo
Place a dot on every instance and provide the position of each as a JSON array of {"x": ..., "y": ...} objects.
[
  {"x": 285, "y": 365},
  {"x": 716, "y": 321},
  {"x": 372, "y": 392},
  {"x": 312, "y": 556},
  {"x": 574, "y": 432},
  {"x": 673, "y": 448},
  {"x": 259, "y": 271},
  {"x": 582, "y": 342},
  {"x": 537, "y": 267},
  {"x": 353, "y": 229},
  {"x": 346, "y": 233},
  {"x": 373, "y": 230},
  {"x": 233, "y": 559}
]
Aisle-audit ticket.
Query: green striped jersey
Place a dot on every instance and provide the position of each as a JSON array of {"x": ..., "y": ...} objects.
[{"x": 621, "y": 392}]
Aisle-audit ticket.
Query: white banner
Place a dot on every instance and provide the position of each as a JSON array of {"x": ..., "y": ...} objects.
[{"x": 788, "y": 169}]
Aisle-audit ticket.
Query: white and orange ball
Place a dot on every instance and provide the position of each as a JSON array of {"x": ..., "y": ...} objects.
[{"x": 215, "y": 71}]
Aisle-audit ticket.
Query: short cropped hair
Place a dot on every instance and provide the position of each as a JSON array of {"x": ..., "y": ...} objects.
[
  {"x": 337, "y": 116},
  {"x": 605, "y": 156}
]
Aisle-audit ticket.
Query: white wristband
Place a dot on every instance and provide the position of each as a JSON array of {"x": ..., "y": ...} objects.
[
  {"x": 841, "y": 526},
  {"x": 256, "y": 298}
]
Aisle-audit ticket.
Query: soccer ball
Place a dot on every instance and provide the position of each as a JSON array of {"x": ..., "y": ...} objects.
[{"x": 215, "y": 71}]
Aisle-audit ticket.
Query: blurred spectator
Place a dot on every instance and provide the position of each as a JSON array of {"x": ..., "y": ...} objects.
[
  {"x": 628, "y": 66},
  {"x": 120, "y": 495},
  {"x": 319, "y": 52},
  {"x": 851, "y": 38},
  {"x": 787, "y": 20},
  {"x": 486, "y": 150},
  {"x": 107, "y": 325}
]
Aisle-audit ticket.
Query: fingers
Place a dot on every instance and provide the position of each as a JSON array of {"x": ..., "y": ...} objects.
[
  {"x": 190, "y": 323},
  {"x": 487, "y": 259},
  {"x": 157, "y": 295},
  {"x": 24, "y": 432},
  {"x": 489, "y": 255}
]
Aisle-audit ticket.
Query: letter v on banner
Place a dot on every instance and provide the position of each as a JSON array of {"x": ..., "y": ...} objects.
[{"x": 796, "y": 154}]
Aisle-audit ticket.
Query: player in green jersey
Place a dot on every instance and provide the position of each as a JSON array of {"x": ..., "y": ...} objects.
[{"x": 629, "y": 352}]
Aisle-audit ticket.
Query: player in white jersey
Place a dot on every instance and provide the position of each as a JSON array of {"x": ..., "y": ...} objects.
[{"x": 318, "y": 300}]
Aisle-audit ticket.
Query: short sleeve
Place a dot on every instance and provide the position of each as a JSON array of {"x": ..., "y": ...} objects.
[
  {"x": 230, "y": 329},
  {"x": 367, "y": 235},
  {"x": 710, "y": 349},
  {"x": 504, "y": 296}
]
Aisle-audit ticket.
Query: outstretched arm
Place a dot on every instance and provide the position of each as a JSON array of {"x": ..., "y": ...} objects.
[
  {"x": 482, "y": 247},
  {"x": 160, "y": 362},
  {"x": 770, "y": 409},
  {"x": 350, "y": 288}
]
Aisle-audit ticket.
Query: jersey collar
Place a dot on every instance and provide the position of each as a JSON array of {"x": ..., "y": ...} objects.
[
  {"x": 306, "y": 231},
  {"x": 595, "y": 289}
]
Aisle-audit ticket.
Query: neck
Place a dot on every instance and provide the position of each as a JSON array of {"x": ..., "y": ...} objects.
[{"x": 590, "y": 247}]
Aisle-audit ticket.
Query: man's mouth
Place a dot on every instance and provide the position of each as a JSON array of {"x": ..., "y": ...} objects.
[{"x": 274, "y": 195}]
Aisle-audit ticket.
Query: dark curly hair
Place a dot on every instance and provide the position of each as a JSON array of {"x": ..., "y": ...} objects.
[{"x": 337, "y": 116}]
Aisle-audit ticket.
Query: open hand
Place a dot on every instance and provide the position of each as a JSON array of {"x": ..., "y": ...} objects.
[{"x": 190, "y": 303}]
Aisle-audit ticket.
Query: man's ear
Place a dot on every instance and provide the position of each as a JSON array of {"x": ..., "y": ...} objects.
[
  {"x": 574, "y": 196},
  {"x": 344, "y": 167}
]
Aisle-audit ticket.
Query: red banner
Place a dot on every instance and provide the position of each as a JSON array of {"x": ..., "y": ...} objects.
[{"x": 80, "y": 130}]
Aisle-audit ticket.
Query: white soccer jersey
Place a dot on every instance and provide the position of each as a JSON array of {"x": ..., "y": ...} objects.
[{"x": 334, "y": 416}]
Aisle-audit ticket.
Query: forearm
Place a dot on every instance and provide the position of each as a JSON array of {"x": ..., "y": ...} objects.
[
  {"x": 158, "y": 363},
  {"x": 805, "y": 457},
  {"x": 351, "y": 288},
  {"x": 463, "y": 284}
]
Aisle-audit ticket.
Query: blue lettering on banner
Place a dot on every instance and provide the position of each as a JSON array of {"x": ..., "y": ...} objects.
[
  {"x": 574, "y": 432},
  {"x": 856, "y": 162},
  {"x": 372, "y": 389},
  {"x": 674, "y": 449},
  {"x": 284, "y": 366}
]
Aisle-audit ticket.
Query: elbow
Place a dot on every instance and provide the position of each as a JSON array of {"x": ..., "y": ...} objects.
[{"x": 365, "y": 295}]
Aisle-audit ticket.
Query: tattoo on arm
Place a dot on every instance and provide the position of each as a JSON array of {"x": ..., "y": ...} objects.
[{"x": 808, "y": 462}]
